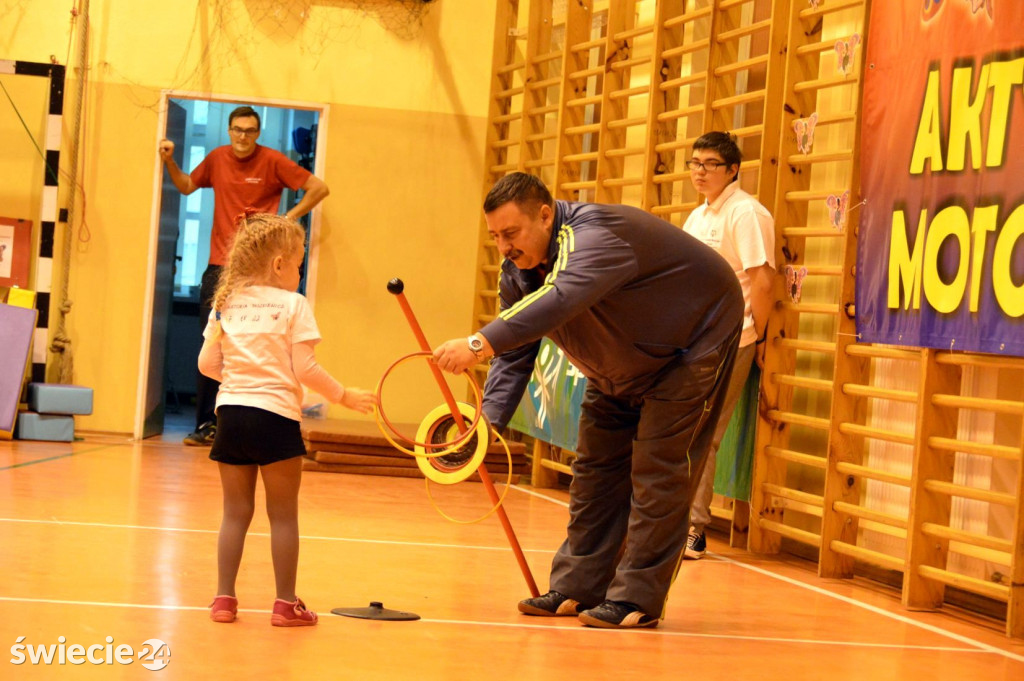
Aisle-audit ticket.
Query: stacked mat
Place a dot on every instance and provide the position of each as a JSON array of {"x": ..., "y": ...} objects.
[
  {"x": 359, "y": 448},
  {"x": 52, "y": 409}
]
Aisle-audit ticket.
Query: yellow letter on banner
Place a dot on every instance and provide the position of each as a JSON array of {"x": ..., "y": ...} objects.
[
  {"x": 984, "y": 222},
  {"x": 951, "y": 221},
  {"x": 1005, "y": 74},
  {"x": 965, "y": 117},
  {"x": 904, "y": 267},
  {"x": 928, "y": 143},
  {"x": 1010, "y": 297}
]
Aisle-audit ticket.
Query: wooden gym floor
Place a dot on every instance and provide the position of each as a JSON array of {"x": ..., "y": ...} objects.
[{"x": 111, "y": 538}]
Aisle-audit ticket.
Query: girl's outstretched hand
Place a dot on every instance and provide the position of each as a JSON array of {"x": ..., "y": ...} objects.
[{"x": 359, "y": 400}]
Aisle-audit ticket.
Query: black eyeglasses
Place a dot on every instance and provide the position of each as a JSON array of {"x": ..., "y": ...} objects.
[
  {"x": 243, "y": 131},
  {"x": 710, "y": 166}
]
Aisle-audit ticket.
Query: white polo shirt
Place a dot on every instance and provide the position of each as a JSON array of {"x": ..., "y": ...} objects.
[{"x": 743, "y": 232}]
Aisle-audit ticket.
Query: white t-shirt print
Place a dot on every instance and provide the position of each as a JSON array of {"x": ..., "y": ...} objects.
[{"x": 259, "y": 326}]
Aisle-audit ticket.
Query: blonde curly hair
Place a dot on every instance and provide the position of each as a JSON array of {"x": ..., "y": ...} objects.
[{"x": 260, "y": 238}]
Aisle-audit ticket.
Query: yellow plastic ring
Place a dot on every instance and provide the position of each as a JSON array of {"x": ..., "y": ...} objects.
[
  {"x": 387, "y": 428},
  {"x": 425, "y": 460},
  {"x": 501, "y": 500}
]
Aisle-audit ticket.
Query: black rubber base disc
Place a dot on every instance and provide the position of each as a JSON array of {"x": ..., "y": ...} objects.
[{"x": 376, "y": 611}]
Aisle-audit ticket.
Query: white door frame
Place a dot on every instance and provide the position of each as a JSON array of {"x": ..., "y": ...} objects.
[{"x": 154, "y": 226}]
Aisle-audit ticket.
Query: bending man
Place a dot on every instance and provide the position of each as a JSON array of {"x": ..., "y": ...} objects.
[{"x": 652, "y": 317}]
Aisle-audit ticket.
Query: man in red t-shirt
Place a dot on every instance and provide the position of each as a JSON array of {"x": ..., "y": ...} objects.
[{"x": 244, "y": 176}]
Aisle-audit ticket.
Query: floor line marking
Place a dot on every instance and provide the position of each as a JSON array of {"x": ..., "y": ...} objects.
[
  {"x": 900, "y": 618},
  {"x": 875, "y": 609},
  {"x": 541, "y": 496},
  {"x": 518, "y": 625},
  {"x": 440, "y": 545},
  {"x": 55, "y": 458}
]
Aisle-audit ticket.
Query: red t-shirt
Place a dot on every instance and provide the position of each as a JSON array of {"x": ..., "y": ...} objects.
[{"x": 253, "y": 182}]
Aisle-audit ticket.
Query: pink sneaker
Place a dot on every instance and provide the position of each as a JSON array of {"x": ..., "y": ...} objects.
[
  {"x": 224, "y": 609},
  {"x": 292, "y": 614}
]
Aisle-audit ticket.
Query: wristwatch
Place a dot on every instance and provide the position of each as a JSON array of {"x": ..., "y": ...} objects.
[{"x": 476, "y": 345}]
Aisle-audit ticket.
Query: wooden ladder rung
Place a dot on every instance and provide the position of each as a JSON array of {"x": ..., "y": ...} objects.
[
  {"x": 802, "y": 536},
  {"x": 857, "y": 511},
  {"x": 622, "y": 182},
  {"x": 1011, "y": 407},
  {"x": 947, "y": 444},
  {"x": 633, "y": 32},
  {"x": 847, "y": 468},
  {"x": 626, "y": 64},
  {"x": 686, "y": 48},
  {"x": 874, "y": 392},
  {"x": 743, "y": 31},
  {"x": 587, "y": 45},
  {"x": 625, "y": 152},
  {"x": 830, "y": 7},
  {"x": 823, "y": 157},
  {"x": 864, "y": 555},
  {"x": 629, "y": 92},
  {"x": 811, "y": 232},
  {"x": 794, "y": 494},
  {"x": 674, "y": 114},
  {"x": 687, "y": 17},
  {"x": 965, "y": 492},
  {"x": 882, "y": 352},
  {"x": 583, "y": 184},
  {"x": 810, "y": 308},
  {"x": 819, "y": 384},
  {"x": 690, "y": 79},
  {"x": 737, "y": 100},
  {"x": 964, "y": 537},
  {"x": 627, "y": 123},
  {"x": 579, "y": 158},
  {"x": 541, "y": 84},
  {"x": 583, "y": 101},
  {"x": 871, "y": 432},
  {"x": 979, "y": 586},
  {"x": 818, "y": 462},
  {"x": 583, "y": 129},
  {"x": 793, "y": 418},
  {"x": 819, "y": 84},
  {"x": 583, "y": 74},
  {"x": 825, "y": 347}
]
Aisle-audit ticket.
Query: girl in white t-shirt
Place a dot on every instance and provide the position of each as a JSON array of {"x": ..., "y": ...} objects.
[{"x": 259, "y": 345}]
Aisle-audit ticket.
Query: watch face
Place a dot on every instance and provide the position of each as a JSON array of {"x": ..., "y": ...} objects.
[{"x": 475, "y": 344}]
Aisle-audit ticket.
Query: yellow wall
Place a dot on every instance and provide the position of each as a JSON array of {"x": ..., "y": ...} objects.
[{"x": 407, "y": 97}]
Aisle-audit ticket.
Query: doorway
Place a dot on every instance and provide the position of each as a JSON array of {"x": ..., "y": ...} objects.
[{"x": 180, "y": 242}]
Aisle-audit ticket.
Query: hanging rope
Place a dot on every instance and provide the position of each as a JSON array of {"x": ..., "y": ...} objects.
[{"x": 61, "y": 343}]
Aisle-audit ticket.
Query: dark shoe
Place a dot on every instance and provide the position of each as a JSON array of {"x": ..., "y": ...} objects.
[
  {"x": 617, "y": 615},
  {"x": 551, "y": 604},
  {"x": 696, "y": 545},
  {"x": 203, "y": 437}
]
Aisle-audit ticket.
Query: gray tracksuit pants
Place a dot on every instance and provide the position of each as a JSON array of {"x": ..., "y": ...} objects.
[{"x": 640, "y": 459}]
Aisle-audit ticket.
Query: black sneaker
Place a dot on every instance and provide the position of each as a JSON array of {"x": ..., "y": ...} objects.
[
  {"x": 617, "y": 615},
  {"x": 551, "y": 604},
  {"x": 696, "y": 545},
  {"x": 203, "y": 436}
]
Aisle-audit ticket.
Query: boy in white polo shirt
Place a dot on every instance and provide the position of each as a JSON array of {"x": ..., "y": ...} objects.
[{"x": 742, "y": 231}]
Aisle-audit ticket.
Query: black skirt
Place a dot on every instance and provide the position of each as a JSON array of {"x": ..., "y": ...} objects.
[{"x": 249, "y": 436}]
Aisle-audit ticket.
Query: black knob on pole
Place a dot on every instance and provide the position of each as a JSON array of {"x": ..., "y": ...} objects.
[{"x": 396, "y": 286}]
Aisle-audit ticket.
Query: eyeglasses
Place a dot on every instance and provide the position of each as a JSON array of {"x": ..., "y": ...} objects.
[
  {"x": 710, "y": 166},
  {"x": 243, "y": 131}
]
